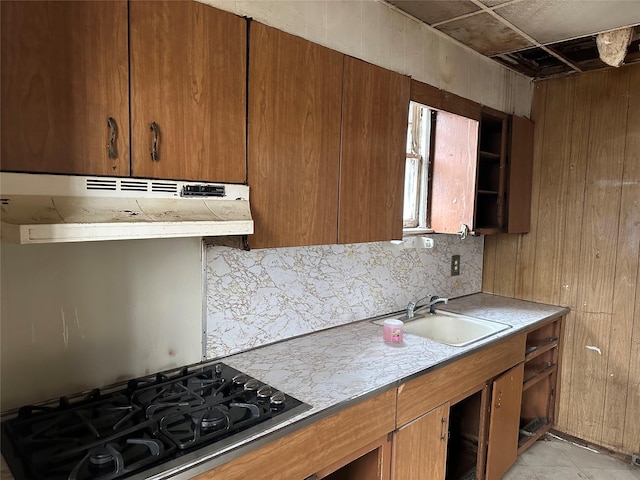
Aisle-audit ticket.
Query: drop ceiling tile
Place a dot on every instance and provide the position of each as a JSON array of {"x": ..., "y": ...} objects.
[
  {"x": 434, "y": 11},
  {"x": 485, "y": 34},
  {"x": 493, "y": 3},
  {"x": 550, "y": 21}
]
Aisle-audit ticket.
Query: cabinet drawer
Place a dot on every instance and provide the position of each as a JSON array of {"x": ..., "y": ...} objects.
[{"x": 424, "y": 393}]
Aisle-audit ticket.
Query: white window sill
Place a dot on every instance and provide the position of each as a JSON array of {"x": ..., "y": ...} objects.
[{"x": 412, "y": 232}]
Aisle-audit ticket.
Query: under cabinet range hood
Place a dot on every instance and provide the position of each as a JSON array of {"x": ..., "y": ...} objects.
[{"x": 40, "y": 208}]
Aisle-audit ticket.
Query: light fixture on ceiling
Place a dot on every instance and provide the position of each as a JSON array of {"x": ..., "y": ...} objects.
[{"x": 613, "y": 45}]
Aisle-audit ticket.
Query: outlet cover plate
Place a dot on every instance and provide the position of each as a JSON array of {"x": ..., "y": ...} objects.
[{"x": 455, "y": 265}]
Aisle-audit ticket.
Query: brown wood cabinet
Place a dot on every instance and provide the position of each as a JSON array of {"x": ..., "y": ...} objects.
[
  {"x": 375, "y": 106},
  {"x": 454, "y": 163},
  {"x": 464, "y": 386},
  {"x": 295, "y": 95},
  {"x": 64, "y": 75},
  {"x": 504, "y": 422},
  {"x": 520, "y": 168},
  {"x": 505, "y": 163},
  {"x": 420, "y": 447},
  {"x": 66, "y": 98},
  {"x": 327, "y": 135},
  {"x": 467, "y": 419},
  {"x": 188, "y": 77}
]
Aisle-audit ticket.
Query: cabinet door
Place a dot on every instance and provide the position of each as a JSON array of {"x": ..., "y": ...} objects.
[
  {"x": 295, "y": 93},
  {"x": 520, "y": 173},
  {"x": 504, "y": 422},
  {"x": 64, "y": 74},
  {"x": 454, "y": 158},
  {"x": 188, "y": 77},
  {"x": 375, "y": 110},
  {"x": 420, "y": 447}
]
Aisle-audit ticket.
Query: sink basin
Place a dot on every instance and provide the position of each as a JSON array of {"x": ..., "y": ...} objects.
[{"x": 450, "y": 328}]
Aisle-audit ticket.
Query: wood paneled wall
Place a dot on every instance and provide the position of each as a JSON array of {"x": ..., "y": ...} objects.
[{"x": 583, "y": 247}]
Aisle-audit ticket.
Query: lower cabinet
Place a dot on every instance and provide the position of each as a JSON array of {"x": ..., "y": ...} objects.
[
  {"x": 372, "y": 462},
  {"x": 504, "y": 422},
  {"x": 466, "y": 420},
  {"x": 420, "y": 447}
]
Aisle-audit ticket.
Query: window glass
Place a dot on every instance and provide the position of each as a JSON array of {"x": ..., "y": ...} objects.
[{"x": 416, "y": 168}]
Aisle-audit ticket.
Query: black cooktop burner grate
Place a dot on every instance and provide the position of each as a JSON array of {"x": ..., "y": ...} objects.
[{"x": 153, "y": 420}]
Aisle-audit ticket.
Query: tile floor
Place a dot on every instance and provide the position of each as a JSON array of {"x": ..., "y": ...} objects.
[{"x": 554, "y": 459}]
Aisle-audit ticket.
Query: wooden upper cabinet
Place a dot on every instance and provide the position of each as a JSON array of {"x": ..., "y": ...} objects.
[
  {"x": 520, "y": 167},
  {"x": 64, "y": 74},
  {"x": 375, "y": 108},
  {"x": 295, "y": 90},
  {"x": 188, "y": 77},
  {"x": 454, "y": 164}
]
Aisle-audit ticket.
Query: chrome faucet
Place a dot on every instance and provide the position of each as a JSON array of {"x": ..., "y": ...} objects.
[{"x": 412, "y": 309}]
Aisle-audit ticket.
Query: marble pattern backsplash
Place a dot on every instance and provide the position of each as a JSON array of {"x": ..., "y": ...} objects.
[{"x": 262, "y": 296}]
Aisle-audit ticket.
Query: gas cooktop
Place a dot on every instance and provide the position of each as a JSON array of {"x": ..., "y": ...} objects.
[{"x": 149, "y": 426}]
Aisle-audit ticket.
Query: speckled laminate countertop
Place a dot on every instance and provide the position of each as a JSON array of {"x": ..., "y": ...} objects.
[{"x": 335, "y": 368}]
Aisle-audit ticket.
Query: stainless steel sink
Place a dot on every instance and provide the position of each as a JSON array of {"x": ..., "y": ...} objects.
[{"x": 450, "y": 328}]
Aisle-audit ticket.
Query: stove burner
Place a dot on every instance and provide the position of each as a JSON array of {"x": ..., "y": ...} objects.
[
  {"x": 101, "y": 456},
  {"x": 137, "y": 429},
  {"x": 214, "y": 419}
]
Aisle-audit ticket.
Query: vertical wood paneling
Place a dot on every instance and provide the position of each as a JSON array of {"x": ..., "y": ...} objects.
[
  {"x": 571, "y": 260},
  {"x": 524, "y": 273},
  {"x": 626, "y": 281},
  {"x": 505, "y": 269},
  {"x": 584, "y": 246},
  {"x": 570, "y": 257},
  {"x": 556, "y": 150},
  {"x": 602, "y": 190},
  {"x": 586, "y": 401},
  {"x": 631, "y": 423},
  {"x": 489, "y": 263}
]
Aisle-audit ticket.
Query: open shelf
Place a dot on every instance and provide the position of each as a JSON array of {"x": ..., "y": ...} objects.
[
  {"x": 490, "y": 182},
  {"x": 463, "y": 445},
  {"x": 489, "y": 155},
  {"x": 542, "y": 355},
  {"x": 538, "y": 376},
  {"x": 534, "y": 351}
]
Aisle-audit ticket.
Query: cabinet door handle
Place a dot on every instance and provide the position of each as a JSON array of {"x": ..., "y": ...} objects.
[
  {"x": 113, "y": 130},
  {"x": 443, "y": 422},
  {"x": 312, "y": 477},
  {"x": 155, "y": 156}
]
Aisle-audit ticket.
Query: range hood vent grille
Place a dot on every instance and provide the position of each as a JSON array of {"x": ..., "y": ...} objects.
[{"x": 101, "y": 184}]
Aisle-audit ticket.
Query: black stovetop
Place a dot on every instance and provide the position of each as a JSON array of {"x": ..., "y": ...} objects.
[{"x": 153, "y": 420}]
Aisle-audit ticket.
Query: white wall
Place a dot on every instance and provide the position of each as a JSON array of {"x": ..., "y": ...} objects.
[
  {"x": 78, "y": 316},
  {"x": 378, "y": 33}
]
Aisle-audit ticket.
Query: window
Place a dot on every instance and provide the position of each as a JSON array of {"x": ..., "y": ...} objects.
[{"x": 416, "y": 179}]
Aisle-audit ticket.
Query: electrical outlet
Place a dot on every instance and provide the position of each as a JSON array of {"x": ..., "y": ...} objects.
[{"x": 455, "y": 265}]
